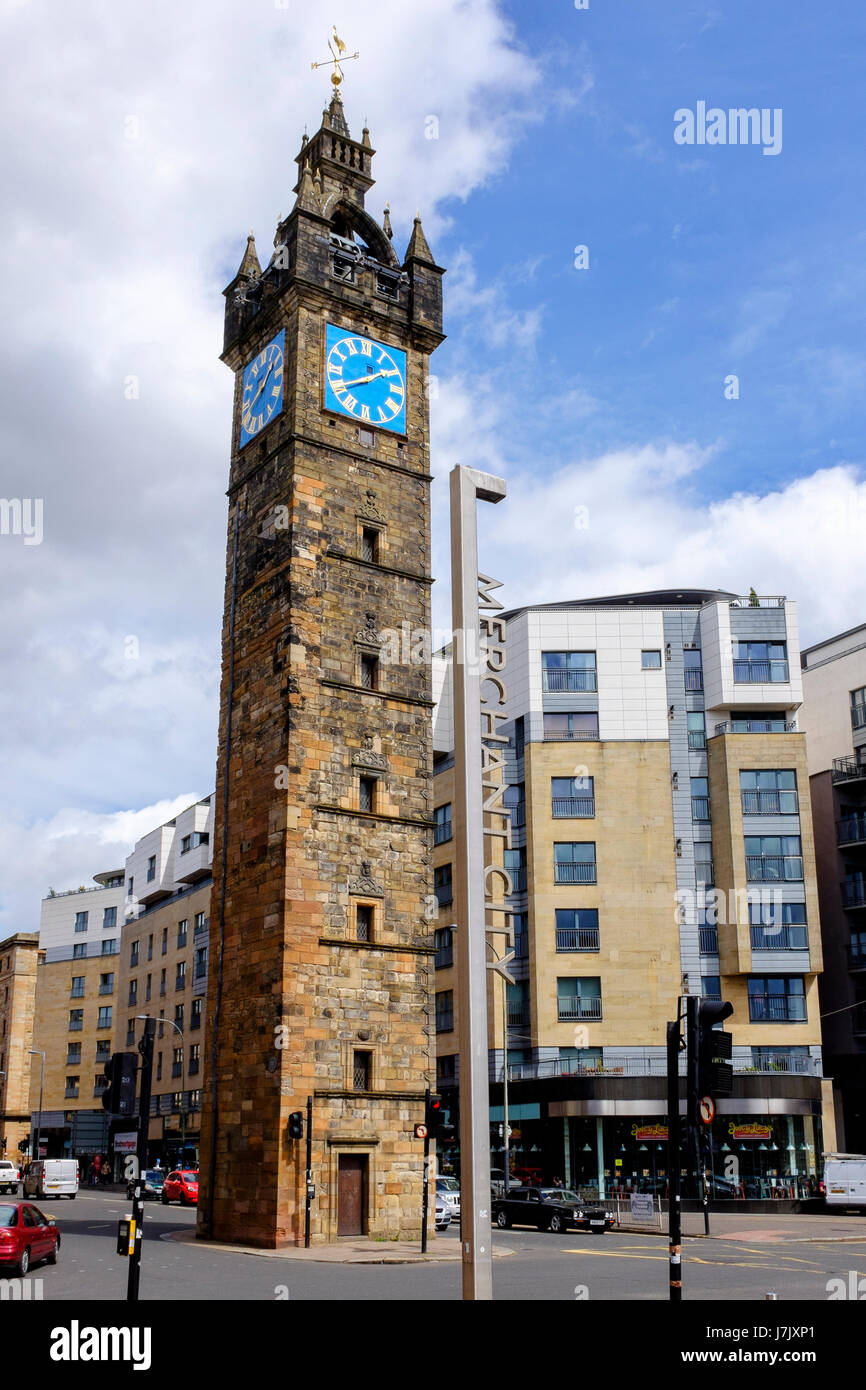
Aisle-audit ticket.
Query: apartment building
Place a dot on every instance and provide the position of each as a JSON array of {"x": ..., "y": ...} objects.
[
  {"x": 18, "y": 958},
  {"x": 834, "y": 719},
  {"x": 657, "y": 848}
]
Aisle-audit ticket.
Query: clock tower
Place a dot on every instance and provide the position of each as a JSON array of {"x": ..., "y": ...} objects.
[{"x": 321, "y": 919}]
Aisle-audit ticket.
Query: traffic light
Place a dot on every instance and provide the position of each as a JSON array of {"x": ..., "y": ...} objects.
[
  {"x": 296, "y": 1124},
  {"x": 437, "y": 1120},
  {"x": 121, "y": 1070},
  {"x": 710, "y": 1070}
]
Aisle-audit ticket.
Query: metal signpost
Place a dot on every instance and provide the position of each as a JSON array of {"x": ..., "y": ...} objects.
[{"x": 467, "y": 486}]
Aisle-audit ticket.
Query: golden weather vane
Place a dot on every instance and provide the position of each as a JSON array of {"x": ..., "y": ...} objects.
[{"x": 338, "y": 49}]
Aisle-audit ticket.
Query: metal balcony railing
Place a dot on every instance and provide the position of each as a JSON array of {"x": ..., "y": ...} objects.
[
  {"x": 625, "y": 1064},
  {"x": 757, "y": 726},
  {"x": 759, "y": 601},
  {"x": 694, "y": 679},
  {"x": 756, "y": 803},
  {"x": 705, "y": 873},
  {"x": 851, "y": 830},
  {"x": 441, "y": 832},
  {"x": 700, "y": 808},
  {"x": 571, "y": 735},
  {"x": 777, "y": 1008},
  {"x": 849, "y": 769},
  {"x": 577, "y": 939},
  {"x": 517, "y": 1015},
  {"x": 555, "y": 679},
  {"x": 708, "y": 941},
  {"x": 574, "y": 1007},
  {"x": 776, "y": 868},
  {"x": 201, "y": 927},
  {"x": 576, "y": 806},
  {"x": 760, "y": 672},
  {"x": 575, "y": 873},
  {"x": 518, "y": 879},
  {"x": 697, "y": 738},
  {"x": 854, "y": 892},
  {"x": 782, "y": 938},
  {"x": 518, "y": 814}
]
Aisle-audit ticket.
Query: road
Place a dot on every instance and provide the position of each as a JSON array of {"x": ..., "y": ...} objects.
[{"x": 542, "y": 1267}]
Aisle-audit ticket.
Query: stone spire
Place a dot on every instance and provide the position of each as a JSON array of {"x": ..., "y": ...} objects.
[
  {"x": 249, "y": 265},
  {"x": 308, "y": 197},
  {"x": 418, "y": 249},
  {"x": 386, "y": 223},
  {"x": 335, "y": 117}
]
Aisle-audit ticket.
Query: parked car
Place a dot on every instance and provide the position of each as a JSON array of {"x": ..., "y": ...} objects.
[
  {"x": 449, "y": 1190},
  {"x": 550, "y": 1209},
  {"x": 443, "y": 1214},
  {"x": 152, "y": 1183},
  {"x": 497, "y": 1181},
  {"x": 26, "y": 1235},
  {"x": 9, "y": 1176},
  {"x": 51, "y": 1177},
  {"x": 181, "y": 1185}
]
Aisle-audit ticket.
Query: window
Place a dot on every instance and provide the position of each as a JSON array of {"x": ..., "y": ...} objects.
[
  {"x": 858, "y": 708},
  {"x": 575, "y": 1060},
  {"x": 133, "y": 954},
  {"x": 568, "y": 671},
  {"x": 73, "y": 1054},
  {"x": 769, "y": 793},
  {"x": 370, "y": 672},
  {"x": 361, "y": 1071},
  {"x": 773, "y": 857},
  {"x": 366, "y": 438},
  {"x": 574, "y": 863},
  {"x": 178, "y": 1016},
  {"x": 79, "y": 950},
  {"x": 577, "y": 929},
  {"x": 566, "y": 728},
  {"x": 77, "y": 990},
  {"x": 578, "y": 998},
  {"x": 697, "y": 727},
  {"x": 159, "y": 1066},
  {"x": 758, "y": 724},
  {"x": 367, "y": 793},
  {"x": 165, "y": 941},
  {"x": 72, "y": 1087},
  {"x": 177, "y": 1061},
  {"x": 711, "y": 986},
  {"x": 388, "y": 283},
  {"x": 704, "y": 871},
  {"x": 76, "y": 1020},
  {"x": 201, "y": 923},
  {"x": 446, "y": 1069},
  {"x": 778, "y": 926},
  {"x": 443, "y": 941},
  {"x": 200, "y": 966},
  {"x": 99, "y": 1084},
  {"x": 442, "y": 885},
  {"x": 760, "y": 663},
  {"x": 700, "y": 798},
  {"x": 109, "y": 946},
  {"x": 514, "y": 861},
  {"x": 777, "y": 999},
  {"x": 104, "y": 1019},
  {"x": 572, "y": 796},
  {"x": 364, "y": 922},
  {"x": 130, "y": 1031},
  {"x": 693, "y": 670},
  {"x": 182, "y": 932},
  {"x": 514, "y": 802},
  {"x": 195, "y": 1018},
  {"x": 81, "y": 921},
  {"x": 199, "y": 837},
  {"x": 651, "y": 660},
  {"x": 195, "y": 1100},
  {"x": 370, "y": 545},
  {"x": 442, "y": 828},
  {"x": 180, "y": 977},
  {"x": 129, "y": 887},
  {"x": 162, "y": 983},
  {"x": 106, "y": 984},
  {"x": 150, "y": 947},
  {"x": 109, "y": 917},
  {"x": 195, "y": 1059},
  {"x": 133, "y": 992},
  {"x": 177, "y": 1101},
  {"x": 445, "y": 1011},
  {"x": 151, "y": 868},
  {"x": 519, "y": 736},
  {"x": 148, "y": 988},
  {"x": 520, "y": 927},
  {"x": 517, "y": 1009}
]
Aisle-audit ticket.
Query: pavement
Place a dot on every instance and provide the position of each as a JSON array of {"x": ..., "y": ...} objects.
[{"x": 346, "y": 1251}]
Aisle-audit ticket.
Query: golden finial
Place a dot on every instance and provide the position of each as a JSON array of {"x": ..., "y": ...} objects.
[{"x": 338, "y": 50}]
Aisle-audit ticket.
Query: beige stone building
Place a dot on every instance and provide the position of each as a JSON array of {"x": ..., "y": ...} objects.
[
  {"x": 661, "y": 844},
  {"x": 18, "y": 969}
]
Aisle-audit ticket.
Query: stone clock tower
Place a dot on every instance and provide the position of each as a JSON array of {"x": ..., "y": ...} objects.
[{"x": 321, "y": 939}]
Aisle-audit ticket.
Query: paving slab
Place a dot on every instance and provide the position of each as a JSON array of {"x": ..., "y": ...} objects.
[{"x": 347, "y": 1251}]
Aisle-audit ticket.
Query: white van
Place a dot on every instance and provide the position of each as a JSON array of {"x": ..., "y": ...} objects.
[
  {"x": 52, "y": 1177},
  {"x": 845, "y": 1180}
]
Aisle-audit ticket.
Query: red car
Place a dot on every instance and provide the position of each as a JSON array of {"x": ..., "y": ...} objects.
[
  {"x": 181, "y": 1186},
  {"x": 26, "y": 1235}
]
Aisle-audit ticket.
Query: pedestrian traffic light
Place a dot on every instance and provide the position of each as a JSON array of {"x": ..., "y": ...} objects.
[
  {"x": 709, "y": 1050},
  {"x": 121, "y": 1070},
  {"x": 437, "y": 1119},
  {"x": 296, "y": 1124}
]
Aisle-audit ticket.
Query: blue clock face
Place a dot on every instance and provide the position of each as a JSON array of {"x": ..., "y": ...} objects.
[
  {"x": 263, "y": 389},
  {"x": 365, "y": 379}
]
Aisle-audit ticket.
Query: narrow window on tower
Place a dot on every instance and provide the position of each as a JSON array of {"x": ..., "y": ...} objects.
[
  {"x": 364, "y": 922},
  {"x": 370, "y": 672},
  {"x": 370, "y": 545},
  {"x": 361, "y": 1071},
  {"x": 366, "y": 438},
  {"x": 367, "y": 793}
]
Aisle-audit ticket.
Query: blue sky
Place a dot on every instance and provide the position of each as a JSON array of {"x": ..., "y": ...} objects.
[{"x": 134, "y": 170}]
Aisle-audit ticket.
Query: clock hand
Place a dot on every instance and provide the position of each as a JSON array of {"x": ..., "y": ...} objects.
[
  {"x": 261, "y": 388},
  {"x": 361, "y": 380}
]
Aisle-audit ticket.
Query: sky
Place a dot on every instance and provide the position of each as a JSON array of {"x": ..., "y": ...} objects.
[{"x": 659, "y": 345}]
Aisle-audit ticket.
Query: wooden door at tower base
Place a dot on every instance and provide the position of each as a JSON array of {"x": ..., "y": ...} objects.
[{"x": 352, "y": 1195}]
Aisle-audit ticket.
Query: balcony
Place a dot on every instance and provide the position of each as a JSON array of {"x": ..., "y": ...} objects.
[
  {"x": 578, "y": 807},
  {"x": 851, "y": 830},
  {"x": 759, "y": 601},
  {"x": 774, "y": 868},
  {"x": 708, "y": 941},
  {"x": 848, "y": 770},
  {"x": 624, "y": 1064},
  {"x": 773, "y": 672},
  {"x": 777, "y": 1008},
  {"x": 517, "y": 1015},
  {"x": 700, "y": 808},
  {"x": 697, "y": 739},
  {"x": 577, "y": 939},
  {"x": 574, "y": 1007},
  {"x": 782, "y": 938},
  {"x": 694, "y": 680},
  {"x": 441, "y": 832},
  {"x": 571, "y": 736},
  {"x": 556, "y": 680},
  {"x": 518, "y": 879},
  {"x": 770, "y": 803},
  {"x": 757, "y": 726},
  {"x": 575, "y": 873}
]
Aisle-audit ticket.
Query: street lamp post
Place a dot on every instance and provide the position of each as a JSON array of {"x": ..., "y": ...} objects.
[
  {"x": 34, "y": 1052},
  {"x": 179, "y": 1030}
]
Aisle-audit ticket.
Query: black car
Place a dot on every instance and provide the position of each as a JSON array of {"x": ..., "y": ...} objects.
[
  {"x": 152, "y": 1181},
  {"x": 550, "y": 1209}
]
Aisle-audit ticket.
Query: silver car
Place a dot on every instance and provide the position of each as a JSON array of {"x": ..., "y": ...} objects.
[
  {"x": 449, "y": 1190},
  {"x": 443, "y": 1215}
]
